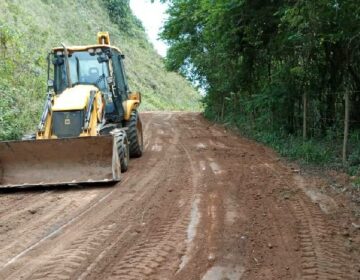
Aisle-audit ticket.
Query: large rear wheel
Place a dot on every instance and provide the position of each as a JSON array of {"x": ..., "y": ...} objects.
[
  {"x": 123, "y": 149},
  {"x": 135, "y": 135}
]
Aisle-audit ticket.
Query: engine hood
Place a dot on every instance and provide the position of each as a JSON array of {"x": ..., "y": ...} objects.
[{"x": 75, "y": 98}]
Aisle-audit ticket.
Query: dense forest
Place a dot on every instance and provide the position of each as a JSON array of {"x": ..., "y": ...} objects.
[
  {"x": 28, "y": 31},
  {"x": 280, "y": 71}
]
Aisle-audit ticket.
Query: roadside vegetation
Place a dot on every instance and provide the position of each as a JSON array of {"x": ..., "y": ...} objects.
[
  {"x": 29, "y": 29},
  {"x": 286, "y": 73}
]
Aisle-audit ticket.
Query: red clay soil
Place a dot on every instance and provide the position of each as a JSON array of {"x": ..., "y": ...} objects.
[{"x": 202, "y": 203}]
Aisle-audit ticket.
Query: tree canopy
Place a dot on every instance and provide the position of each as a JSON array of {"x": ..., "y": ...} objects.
[
  {"x": 270, "y": 65},
  {"x": 257, "y": 58}
]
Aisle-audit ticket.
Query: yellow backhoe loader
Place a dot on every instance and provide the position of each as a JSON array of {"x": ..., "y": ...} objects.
[{"x": 89, "y": 127}]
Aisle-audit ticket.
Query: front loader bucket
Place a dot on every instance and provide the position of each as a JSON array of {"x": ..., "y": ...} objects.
[{"x": 59, "y": 161}]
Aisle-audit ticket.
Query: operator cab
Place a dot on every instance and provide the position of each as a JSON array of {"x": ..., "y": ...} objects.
[{"x": 98, "y": 65}]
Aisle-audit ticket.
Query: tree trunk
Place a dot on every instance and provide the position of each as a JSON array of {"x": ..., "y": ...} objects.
[
  {"x": 222, "y": 108},
  {"x": 346, "y": 127},
  {"x": 304, "y": 116}
]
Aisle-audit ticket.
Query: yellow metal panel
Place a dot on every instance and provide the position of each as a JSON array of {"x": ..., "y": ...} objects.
[
  {"x": 85, "y": 48},
  {"x": 98, "y": 106},
  {"x": 103, "y": 36},
  {"x": 75, "y": 98},
  {"x": 96, "y": 115},
  {"x": 129, "y": 106}
]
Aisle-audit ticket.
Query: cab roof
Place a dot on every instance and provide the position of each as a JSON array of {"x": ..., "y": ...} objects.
[{"x": 87, "y": 47}]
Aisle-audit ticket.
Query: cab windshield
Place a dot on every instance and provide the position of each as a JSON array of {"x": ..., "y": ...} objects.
[{"x": 84, "y": 69}]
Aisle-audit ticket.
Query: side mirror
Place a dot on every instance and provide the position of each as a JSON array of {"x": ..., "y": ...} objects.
[
  {"x": 122, "y": 56},
  {"x": 50, "y": 83}
]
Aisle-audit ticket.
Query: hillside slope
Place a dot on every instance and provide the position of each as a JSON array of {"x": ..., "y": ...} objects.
[{"x": 29, "y": 29}]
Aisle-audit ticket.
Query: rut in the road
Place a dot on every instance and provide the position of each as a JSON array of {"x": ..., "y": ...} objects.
[{"x": 68, "y": 261}]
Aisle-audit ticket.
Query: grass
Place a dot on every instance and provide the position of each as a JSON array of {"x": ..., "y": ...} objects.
[
  {"x": 295, "y": 148},
  {"x": 324, "y": 152}
]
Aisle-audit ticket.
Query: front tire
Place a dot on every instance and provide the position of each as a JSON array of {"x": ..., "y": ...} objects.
[
  {"x": 135, "y": 135},
  {"x": 123, "y": 150}
]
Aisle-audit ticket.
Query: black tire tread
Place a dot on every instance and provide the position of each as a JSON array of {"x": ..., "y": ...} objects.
[
  {"x": 120, "y": 140},
  {"x": 136, "y": 148}
]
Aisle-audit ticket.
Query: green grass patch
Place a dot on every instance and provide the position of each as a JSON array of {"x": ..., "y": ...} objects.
[{"x": 325, "y": 151}]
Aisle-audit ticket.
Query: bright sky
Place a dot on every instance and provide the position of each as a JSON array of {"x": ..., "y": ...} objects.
[{"x": 152, "y": 16}]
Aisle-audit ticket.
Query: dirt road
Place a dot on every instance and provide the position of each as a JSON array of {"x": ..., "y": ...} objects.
[{"x": 201, "y": 203}]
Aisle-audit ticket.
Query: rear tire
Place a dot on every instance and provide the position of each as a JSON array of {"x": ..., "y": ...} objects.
[
  {"x": 135, "y": 135},
  {"x": 123, "y": 149}
]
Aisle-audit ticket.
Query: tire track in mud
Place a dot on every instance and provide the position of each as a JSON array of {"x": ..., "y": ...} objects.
[
  {"x": 61, "y": 211},
  {"x": 93, "y": 238},
  {"x": 164, "y": 241},
  {"x": 152, "y": 251},
  {"x": 8, "y": 267},
  {"x": 63, "y": 265},
  {"x": 323, "y": 255}
]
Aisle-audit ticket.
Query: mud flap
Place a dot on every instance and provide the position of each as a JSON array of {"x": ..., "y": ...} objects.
[{"x": 59, "y": 162}]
